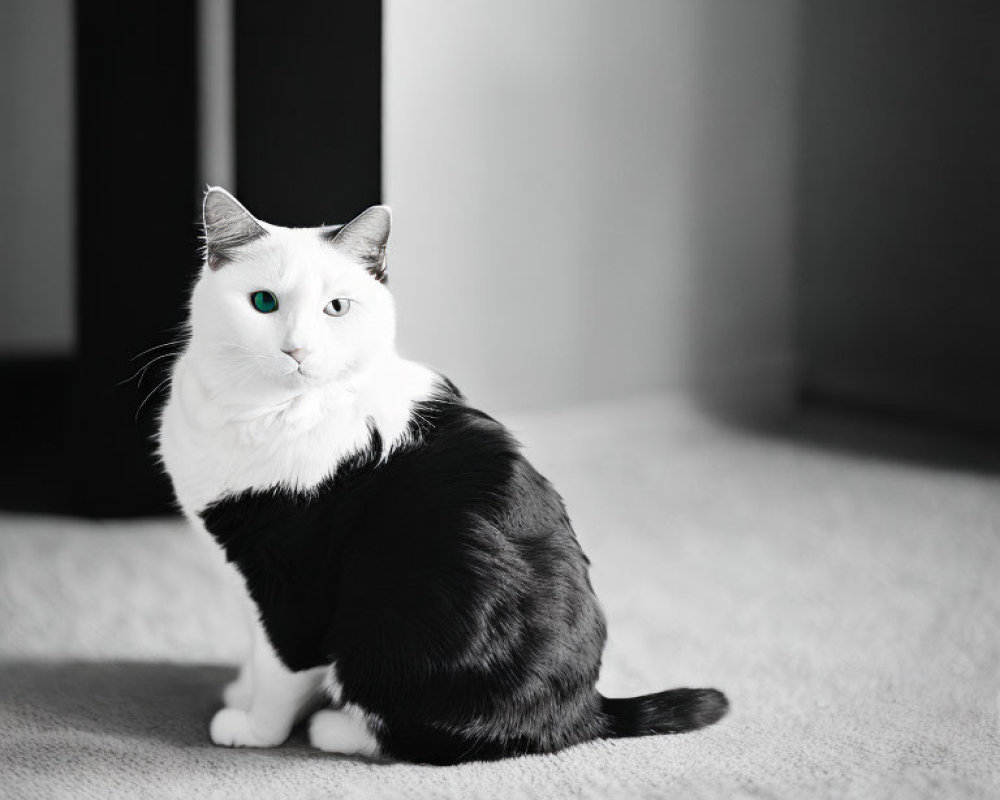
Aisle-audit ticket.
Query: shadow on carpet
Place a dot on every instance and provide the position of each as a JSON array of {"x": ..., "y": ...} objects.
[
  {"x": 165, "y": 702},
  {"x": 146, "y": 703}
]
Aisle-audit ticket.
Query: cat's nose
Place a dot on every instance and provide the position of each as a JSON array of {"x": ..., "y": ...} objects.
[{"x": 299, "y": 353}]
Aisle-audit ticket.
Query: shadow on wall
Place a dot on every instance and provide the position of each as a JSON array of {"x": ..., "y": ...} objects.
[
  {"x": 899, "y": 195},
  {"x": 872, "y": 174},
  {"x": 745, "y": 142}
]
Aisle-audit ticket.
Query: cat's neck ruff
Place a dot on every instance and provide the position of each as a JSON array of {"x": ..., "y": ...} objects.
[{"x": 216, "y": 442}]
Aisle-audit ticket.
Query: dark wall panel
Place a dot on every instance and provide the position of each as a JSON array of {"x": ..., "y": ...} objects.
[
  {"x": 81, "y": 447},
  {"x": 136, "y": 238},
  {"x": 900, "y": 198},
  {"x": 308, "y": 109}
]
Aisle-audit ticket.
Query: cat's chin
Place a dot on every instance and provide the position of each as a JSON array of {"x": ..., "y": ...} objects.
[
  {"x": 303, "y": 380},
  {"x": 297, "y": 381},
  {"x": 268, "y": 391}
]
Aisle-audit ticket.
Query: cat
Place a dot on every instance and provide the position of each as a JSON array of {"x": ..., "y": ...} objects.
[{"x": 398, "y": 555}]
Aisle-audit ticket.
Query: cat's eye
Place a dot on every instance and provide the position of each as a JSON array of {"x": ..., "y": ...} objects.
[
  {"x": 337, "y": 307},
  {"x": 264, "y": 302}
]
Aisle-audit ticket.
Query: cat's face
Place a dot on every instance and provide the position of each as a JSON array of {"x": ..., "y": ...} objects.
[{"x": 280, "y": 311}]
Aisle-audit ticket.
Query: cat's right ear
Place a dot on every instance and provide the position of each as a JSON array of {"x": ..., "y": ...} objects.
[{"x": 228, "y": 226}]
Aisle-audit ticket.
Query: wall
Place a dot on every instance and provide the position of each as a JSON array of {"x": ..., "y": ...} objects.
[
  {"x": 36, "y": 181},
  {"x": 900, "y": 190},
  {"x": 594, "y": 200}
]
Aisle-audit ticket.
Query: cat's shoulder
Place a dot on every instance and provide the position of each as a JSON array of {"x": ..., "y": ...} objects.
[{"x": 445, "y": 429}]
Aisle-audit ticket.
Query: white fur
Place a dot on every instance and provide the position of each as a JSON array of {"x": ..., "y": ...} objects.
[
  {"x": 243, "y": 414},
  {"x": 332, "y": 686},
  {"x": 277, "y": 700},
  {"x": 239, "y": 693},
  {"x": 346, "y": 730}
]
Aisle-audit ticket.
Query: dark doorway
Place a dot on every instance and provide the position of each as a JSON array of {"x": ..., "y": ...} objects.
[{"x": 307, "y": 141}]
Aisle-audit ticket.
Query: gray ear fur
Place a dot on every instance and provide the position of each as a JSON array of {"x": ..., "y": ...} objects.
[
  {"x": 365, "y": 238},
  {"x": 228, "y": 226}
]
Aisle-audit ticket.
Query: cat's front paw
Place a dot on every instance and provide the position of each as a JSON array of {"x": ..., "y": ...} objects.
[{"x": 231, "y": 727}]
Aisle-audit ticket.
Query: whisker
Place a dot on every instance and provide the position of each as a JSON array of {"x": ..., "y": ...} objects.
[
  {"x": 145, "y": 369},
  {"x": 142, "y": 370},
  {"x": 156, "y": 388},
  {"x": 175, "y": 342}
]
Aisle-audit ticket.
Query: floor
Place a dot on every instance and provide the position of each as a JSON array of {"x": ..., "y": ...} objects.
[{"x": 839, "y": 580}]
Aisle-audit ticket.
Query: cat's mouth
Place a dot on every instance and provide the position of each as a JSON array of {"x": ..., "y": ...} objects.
[
  {"x": 295, "y": 366},
  {"x": 300, "y": 374}
]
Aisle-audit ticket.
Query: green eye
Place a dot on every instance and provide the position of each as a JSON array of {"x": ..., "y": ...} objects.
[{"x": 264, "y": 302}]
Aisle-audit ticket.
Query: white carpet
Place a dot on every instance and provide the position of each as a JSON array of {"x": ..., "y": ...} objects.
[{"x": 847, "y": 602}]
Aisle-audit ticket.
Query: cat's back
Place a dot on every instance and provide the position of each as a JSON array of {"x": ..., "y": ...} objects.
[{"x": 470, "y": 567}]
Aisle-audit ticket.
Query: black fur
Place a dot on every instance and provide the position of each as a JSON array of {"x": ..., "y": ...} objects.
[
  {"x": 672, "y": 711},
  {"x": 448, "y": 586}
]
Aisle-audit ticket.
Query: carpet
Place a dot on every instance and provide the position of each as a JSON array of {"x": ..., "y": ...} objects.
[{"x": 839, "y": 580}]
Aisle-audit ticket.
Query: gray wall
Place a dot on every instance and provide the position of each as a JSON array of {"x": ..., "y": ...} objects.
[
  {"x": 593, "y": 200},
  {"x": 900, "y": 191},
  {"x": 36, "y": 181}
]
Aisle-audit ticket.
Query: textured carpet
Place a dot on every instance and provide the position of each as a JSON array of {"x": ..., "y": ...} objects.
[{"x": 840, "y": 582}]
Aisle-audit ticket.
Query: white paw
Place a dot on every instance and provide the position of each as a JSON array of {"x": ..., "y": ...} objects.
[
  {"x": 237, "y": 694},
  {"x": 231, "y": 728},
  {"x": 342, "y": 732}
]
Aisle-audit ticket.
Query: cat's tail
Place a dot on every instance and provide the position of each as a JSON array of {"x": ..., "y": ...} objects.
[{"x": 672, "y": 711}]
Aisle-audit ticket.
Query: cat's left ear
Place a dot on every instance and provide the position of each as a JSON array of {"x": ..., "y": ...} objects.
[
  {"x": 228, "y": 225},
  {"x": 365, "y": 238}
]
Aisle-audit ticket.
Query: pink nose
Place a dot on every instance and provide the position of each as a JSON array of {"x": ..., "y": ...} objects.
[{"x": 299, "y": 353}]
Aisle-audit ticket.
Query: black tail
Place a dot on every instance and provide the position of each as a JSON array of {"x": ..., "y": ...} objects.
[{"x": 673, "y": 711}]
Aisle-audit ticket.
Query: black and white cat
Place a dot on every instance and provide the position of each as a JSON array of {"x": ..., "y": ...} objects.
[{"x": 396, "y": 550}]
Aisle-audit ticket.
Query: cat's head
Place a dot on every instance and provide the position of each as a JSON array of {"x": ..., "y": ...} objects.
[{"x": 284, "y": 310}]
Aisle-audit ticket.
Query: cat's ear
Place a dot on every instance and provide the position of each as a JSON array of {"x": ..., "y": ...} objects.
[
  {"x": 365, "y": 238},
  {"x": 228, "y": 226}
]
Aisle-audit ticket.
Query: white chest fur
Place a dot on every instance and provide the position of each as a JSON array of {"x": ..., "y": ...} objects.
[{"x": 211, "y": 449}]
